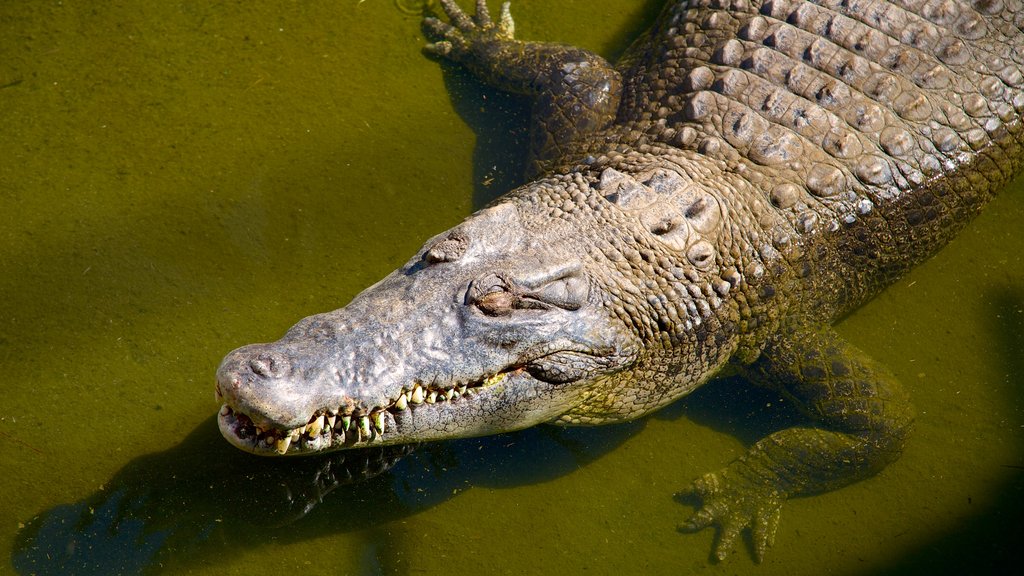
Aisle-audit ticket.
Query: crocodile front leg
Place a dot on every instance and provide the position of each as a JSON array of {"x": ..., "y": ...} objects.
[
  {"x": 576, "y": 92},
  {"x": 863, "y": 418}
]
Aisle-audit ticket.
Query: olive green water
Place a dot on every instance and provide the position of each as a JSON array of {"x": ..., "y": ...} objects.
[{"x": 178, "y": 179}]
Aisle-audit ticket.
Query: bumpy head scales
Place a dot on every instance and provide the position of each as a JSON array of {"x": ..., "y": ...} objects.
[{"x": 492, "y": 327}]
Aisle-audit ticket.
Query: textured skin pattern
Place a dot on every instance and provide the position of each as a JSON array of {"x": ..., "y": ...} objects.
[
  {"x": 883, "y": 126},
  {"x": 770, "y": 167}
]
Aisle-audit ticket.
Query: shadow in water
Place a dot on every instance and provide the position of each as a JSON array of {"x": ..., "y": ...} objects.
[
  {"x": 988, "y": 542},
  {"x": 204, "y": 499},
  {"x": 501, "y": 123}
]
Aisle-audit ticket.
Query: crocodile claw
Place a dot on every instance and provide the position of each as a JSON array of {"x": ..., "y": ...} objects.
[
  {"x": 456, "y": 37},
  {"x": 733, "y": 504}
]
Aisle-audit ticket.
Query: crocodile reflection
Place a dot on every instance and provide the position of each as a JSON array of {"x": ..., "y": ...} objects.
[{"x": 202, "y": 499}]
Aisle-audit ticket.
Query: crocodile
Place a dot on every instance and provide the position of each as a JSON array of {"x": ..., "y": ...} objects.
[{"x": 745, "y": 175}]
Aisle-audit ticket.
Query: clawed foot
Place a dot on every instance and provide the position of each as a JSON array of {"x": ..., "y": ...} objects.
[
  {"x": 457, "y": 37},
  {"x": 732, "y": 504}
]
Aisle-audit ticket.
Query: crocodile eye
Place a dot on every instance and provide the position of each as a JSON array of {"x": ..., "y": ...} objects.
[
  {"x": 498, "y": 303},
  {"x": 497, "y": 295},
  {"x": 568, "y": 293}
]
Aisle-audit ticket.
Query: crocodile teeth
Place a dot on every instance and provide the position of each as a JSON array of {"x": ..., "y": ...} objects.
[
  {"x": 417, "y": 395},
  {"x": 364, "y": 426},
  {"x": 432, "y": 397},
  {"x": 378, "y": 422},
  {"x": 282, "y": 444},
  {"x": 492, "y": 380},
  {"x": 331, "y": 419},
  {"x": 402, "y": 403},
  {"x": 314, "y": 427},
  {"x": 346, "y": 422},
  {"x": 461, "y": 389},
  {"x": 449, "y": 393},
  {"x": 224, "y": 410}
]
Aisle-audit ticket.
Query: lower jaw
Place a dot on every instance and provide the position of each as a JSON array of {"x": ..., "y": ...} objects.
[
  {"x": 343, "y": 434},
  {"x": 348, "y": 427},
  {"x": 481, "y": 413}
]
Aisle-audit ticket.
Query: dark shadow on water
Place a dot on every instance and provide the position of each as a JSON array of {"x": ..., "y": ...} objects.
[
  {"x": 989, "y": 541},
  {"x": 500, "y": 121},
  {"x": 735, "y": 407},
  {"x": 204, "y": 499}
]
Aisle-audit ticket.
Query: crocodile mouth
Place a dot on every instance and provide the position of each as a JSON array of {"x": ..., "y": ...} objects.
[{"x": 350, "y": 424}]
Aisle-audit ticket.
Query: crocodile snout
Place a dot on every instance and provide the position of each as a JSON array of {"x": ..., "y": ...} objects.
[
  {"x": 268, "y": 364},
  {"x": 249, "y": 376},
  {"x": 250, "y": 365}
]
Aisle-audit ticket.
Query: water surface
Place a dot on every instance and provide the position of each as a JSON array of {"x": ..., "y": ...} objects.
[{"x": 178, "y": 179}]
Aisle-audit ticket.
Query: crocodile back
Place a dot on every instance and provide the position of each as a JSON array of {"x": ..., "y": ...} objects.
[{"x": 870, "y": 131}]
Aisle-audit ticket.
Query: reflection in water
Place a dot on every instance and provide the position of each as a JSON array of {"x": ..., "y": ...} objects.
[{"x": 203, "y": 498}]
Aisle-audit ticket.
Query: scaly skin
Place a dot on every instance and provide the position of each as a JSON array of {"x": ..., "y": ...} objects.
[{"x": 747, "y": 174}]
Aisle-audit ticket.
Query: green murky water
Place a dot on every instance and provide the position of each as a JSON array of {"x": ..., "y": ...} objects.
[{"x": 177, "y": 179}]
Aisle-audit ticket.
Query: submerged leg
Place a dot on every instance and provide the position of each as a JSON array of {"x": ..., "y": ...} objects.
[
  {"x": 575, "y": 91},
  {"x": 862, "y": 415}
]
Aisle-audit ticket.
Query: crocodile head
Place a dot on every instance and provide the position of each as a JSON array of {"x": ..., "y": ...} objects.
[{"x": 494, "y": 326}]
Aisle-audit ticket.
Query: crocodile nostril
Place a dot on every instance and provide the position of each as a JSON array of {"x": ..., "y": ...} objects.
[{"x": 267, "y": 365}]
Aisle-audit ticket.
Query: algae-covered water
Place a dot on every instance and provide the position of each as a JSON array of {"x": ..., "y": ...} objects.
[{"x": 181, "y": 178}]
